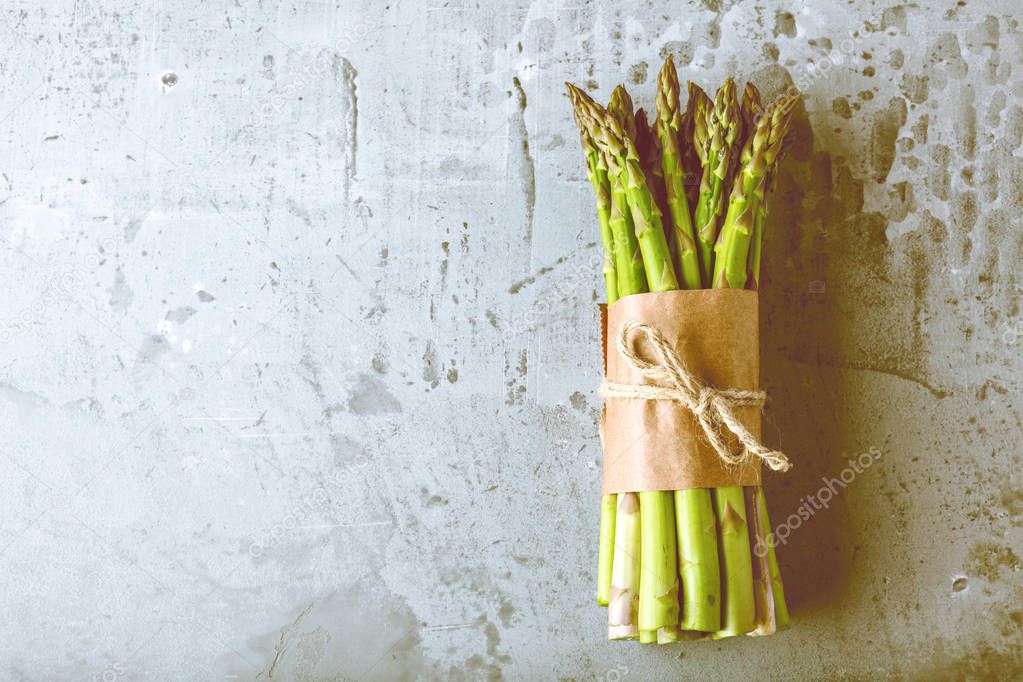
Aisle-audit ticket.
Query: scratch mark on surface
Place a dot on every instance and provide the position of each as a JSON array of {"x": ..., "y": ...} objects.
[
  {"x": 282, "y": 643},
  {"x": 527, "y": 169},
  {"x": 348, "y": 525},
  {"x": 346, "y": 75},
  {"x": 348, "y": 267},
  {"x": 452, "y": 626}
]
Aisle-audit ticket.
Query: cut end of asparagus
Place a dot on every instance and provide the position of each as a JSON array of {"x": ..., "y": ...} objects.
[
  {"x": 669, "y": 634},
  {"x": 622, "y": 632},
  {"x": 608, "y": 514}
]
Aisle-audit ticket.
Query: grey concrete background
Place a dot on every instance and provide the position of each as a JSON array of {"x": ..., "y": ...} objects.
[{"x": 299, "y": 346}]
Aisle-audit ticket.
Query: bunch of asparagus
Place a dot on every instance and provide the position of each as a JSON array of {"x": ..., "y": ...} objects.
[{"x": 681, "y": 203}]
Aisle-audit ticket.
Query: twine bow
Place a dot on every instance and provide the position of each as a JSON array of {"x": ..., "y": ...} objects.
[{"x": 713, "y": 407}]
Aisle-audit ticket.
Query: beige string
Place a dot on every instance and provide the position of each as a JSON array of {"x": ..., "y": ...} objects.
[{"x": 714, "y": 408}]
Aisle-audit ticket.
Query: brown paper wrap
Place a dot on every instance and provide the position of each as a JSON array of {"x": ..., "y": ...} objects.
[{"x": 658, "y": 444}]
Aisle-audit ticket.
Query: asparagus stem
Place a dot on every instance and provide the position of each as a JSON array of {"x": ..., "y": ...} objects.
[
  {"x": 597, "y": 172},
  {"x": 624, "y": 251},
  {"x": 762, "y": 589},
  {"x": 693, "y": 143},
  {"x": 627, "y": 257},
  {"x": 739, "y": 610},
  {"x": 626, "y": 254},
  {"x": 731, "y": 252},
  {"x": 669, "y": 130},
  {"x": 620, "y": 134},
  {"x": 648, "y": 146},
  {"x": 781, "y": 611},
  {"x": 621, "y": 108},
  {"x": 602, "y": 190},
  {"x": 624, "y": 163},
  {"x": 698, "y": 560},
  {"x": 608, "y": 505},
  {"x": 760, "y": 214},
  {"x": 658, "y": 588},
  {"x": 658, "y": 585},
  {"x": 731, "y": 257},
  {"x": 697, "y": 542},
  {"x": 756, "y": 245},
  {"x": 750, "y": 108},
  {"x": 770, "y": 592},
  {"x": 759, "y": 156},
  {"x": 626, "y": 585},
  {"x": 719, "y": 129},
  {"x": 623, "y": 602},
  {"x": 696, "y": 527}
]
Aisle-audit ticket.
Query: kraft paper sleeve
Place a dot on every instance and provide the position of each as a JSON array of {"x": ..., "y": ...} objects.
[{"x": 658, "y": 444}]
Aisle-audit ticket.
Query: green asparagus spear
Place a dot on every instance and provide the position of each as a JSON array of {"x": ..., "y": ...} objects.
[
  {"x": 624, "y": 552},
  {"x": 730, "y": 270},
  {"x": 763, "y": 600},
  {"x": 693, "y": 144},
  {"x": 750, "y": 109},
  {"x": 770, "y": 584},
  {"x": 781, "y": 611},
  {"x": 648, "y": 146},
  {"x": 623, "y": 162},
  {"x": 628, "y": 262},
  {"x": 739, "y": 608},
  {"x": 779, "y": 128},
  {"x": 698, "y": 560},
  {"x": 697, "y": 542},
  {"x": 658, "y": 585},
  {"x": 762, "y": 149},
  {"x": 669, "y": 132},
  {"x": 605, "y": 554},
  {"x": 597, "y": 171},
  {"x": 619, "y": 110},
  {"x": 623, "y": 606},
  {"x": 719, "y": 128},
  {"x": 620, "y": 106}
]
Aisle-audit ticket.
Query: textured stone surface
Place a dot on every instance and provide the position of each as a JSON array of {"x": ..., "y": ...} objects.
[{"x": 299, "y": 342}]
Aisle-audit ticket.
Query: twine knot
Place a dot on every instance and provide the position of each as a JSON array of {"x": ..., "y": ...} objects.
[
  {"x": 703, "y": 401},
  {"x": 714, "y": 408}
]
